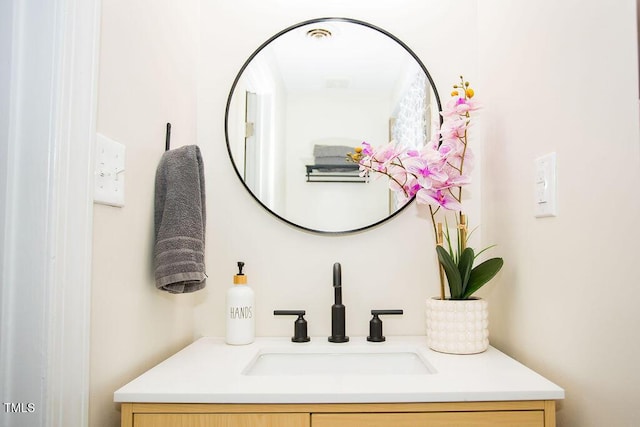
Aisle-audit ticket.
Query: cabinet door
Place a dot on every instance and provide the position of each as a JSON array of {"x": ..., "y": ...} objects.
[
  {"x": 221, "y": 420},
  {"x": 435, "y": 419}
]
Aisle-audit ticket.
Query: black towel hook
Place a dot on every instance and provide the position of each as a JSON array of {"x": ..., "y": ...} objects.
[{"x": 167, "y": 142}]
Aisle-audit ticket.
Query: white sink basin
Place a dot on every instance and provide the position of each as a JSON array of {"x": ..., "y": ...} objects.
[{"x": 338, "y": 362}]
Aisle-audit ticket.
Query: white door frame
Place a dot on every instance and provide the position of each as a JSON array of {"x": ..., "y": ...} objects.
[{"x": 46, "y": 180}]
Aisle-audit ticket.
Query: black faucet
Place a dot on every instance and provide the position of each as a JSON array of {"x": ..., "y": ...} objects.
[{"x": 337, "y": 309}]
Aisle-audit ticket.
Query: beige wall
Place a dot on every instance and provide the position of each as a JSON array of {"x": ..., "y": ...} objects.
[
  {"x": 565, "y": 81},
  {"x": 387, "y": 267},
  {"x": 151, "y": 64},
  {"x": 154, "y": 55},
  {"x": 289, "y": 269},
  {"x": 553, "y": 76},
  {"x": 148, "y": 58}
]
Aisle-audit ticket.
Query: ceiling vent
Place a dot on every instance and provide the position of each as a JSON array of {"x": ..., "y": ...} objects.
[{"x": 318, "y": 33}]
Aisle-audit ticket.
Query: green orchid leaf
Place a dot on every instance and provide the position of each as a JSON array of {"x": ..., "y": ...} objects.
[
  {"x": 481, "y": 274},
  {"x": 485, "y": 249},
  {"x": 451, "y": 270},
  {"x": 448, "y": 239},
  {"x": 464, "y": 267},
  {"x": 471, "y": 233}
]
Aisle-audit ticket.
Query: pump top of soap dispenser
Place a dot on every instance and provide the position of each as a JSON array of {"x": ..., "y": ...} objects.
[{"x": 240, "y": 278}]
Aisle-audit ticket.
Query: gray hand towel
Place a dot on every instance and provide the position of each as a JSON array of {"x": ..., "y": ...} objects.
[{"x": 180, "y": 221}]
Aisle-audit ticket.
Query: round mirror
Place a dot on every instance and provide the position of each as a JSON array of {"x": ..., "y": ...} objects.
[{"x": 309, "y": 95}]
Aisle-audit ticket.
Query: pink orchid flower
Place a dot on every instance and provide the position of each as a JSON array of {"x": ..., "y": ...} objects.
[
  {"x": 454, "y": 128},
  {"x": 433, "y": 154},
  {"x": 405, "y": 189},
  {"x": 454, "y": 180},
  {"x": 452, "y": 147},
  {"x": 427, "y": 173},
  {"x": 366, "y": 149},
  {"x": 459, "y": 106},
  {"x": 440, "y": 198},
  {"x": 386, "y": 155},
  {"x": 454, "y": 162}
]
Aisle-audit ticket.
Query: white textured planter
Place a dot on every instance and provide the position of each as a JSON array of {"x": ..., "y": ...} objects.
[{"x": 458, "y": 326}]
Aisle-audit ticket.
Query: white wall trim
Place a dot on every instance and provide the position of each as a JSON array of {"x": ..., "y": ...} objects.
[
  {"x": 48, "y": 209},
  {"x": 6, "y": 44},
  {"x": 67, "y": 399}
]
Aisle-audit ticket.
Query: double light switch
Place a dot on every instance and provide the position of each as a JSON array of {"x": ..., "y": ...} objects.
[{"x": 109, "y": 172}]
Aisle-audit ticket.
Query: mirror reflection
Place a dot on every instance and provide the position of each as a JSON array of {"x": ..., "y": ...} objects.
[{"x": 305, "y": 99}]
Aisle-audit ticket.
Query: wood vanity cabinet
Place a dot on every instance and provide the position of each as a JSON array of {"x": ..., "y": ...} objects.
[
  {"x": 221, "y": 420},
  {"x": 538, "y": 413}
]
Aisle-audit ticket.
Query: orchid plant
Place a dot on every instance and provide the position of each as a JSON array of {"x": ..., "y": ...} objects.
[{"x": 436, "y": 175}]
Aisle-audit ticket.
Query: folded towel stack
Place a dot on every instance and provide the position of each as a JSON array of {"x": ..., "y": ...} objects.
[
  {"x": 331, "y": 154},
  {"x": 180, "y": 221}
]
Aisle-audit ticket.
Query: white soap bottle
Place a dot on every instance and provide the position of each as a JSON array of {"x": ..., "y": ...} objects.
[{"x": 240, "y": 311}]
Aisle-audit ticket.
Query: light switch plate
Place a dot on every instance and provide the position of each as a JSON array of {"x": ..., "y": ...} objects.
[
  {"x": 545, "y": 186},
  {"x": 109, "y": 172}
]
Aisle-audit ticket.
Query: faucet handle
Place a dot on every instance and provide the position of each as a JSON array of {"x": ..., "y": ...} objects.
[
  {"x": 299, "y": 325},
  {"x": 375, "y": 324},
  {"x": 337, "y": 275}
]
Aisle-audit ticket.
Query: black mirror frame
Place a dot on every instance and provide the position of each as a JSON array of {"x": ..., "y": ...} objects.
[{"x": 246, "y": 64}]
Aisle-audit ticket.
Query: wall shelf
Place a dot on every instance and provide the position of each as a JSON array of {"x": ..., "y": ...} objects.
[{"x": 349, "y": 172}]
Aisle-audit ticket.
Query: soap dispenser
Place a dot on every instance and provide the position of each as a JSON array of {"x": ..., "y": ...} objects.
[{"x": 240, "y": 310}]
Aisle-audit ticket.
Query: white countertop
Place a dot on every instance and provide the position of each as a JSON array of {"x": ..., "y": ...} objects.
[{"x": 210, "y": 371}]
